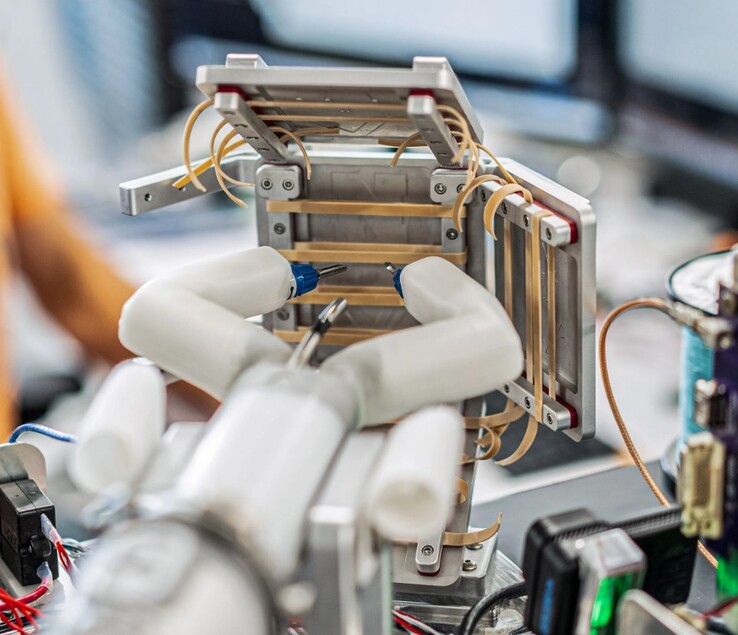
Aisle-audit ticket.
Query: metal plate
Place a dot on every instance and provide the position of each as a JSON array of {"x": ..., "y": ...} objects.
[
  {"x": 371, "y": 86},
  {"x": 576, "y": 296}
]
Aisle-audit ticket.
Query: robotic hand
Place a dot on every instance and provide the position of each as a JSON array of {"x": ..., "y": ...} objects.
[{"x": 219, "y": 548}]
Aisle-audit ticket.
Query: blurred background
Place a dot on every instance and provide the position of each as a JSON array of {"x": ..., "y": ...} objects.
[{"x": 631, "y": 103}]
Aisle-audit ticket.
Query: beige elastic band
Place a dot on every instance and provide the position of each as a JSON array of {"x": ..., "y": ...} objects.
[
  {"x": 468, "y": 189},
  {"x": 199, "y": 109},
  {"x": 462, "y": 491},
  {"x": 494, "y": 202},
  {"x": 451, "y": 539},
  {"x": 361, "y": 208},
  {"x": 337, "y": 336},
  {"x": 219, "y": 171},
  {"x": 530, "y": 436},
  {"x": 293, "y": 137},
  {"x": 227, "y": 149},
  {"x": 355, "y": 295},
  {"x": 367, "y": 253},
  {"x": 511, "y": 413}
]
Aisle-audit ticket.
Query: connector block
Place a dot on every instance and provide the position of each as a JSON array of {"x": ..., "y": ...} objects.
[{"x": 700, "y": 486}]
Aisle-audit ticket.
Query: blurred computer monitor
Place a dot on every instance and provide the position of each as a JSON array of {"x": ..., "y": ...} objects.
[
  {"x": 520, "y": 61},
  {"x": 678, "y": 63}
]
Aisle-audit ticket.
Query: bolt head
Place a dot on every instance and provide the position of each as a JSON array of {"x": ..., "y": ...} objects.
[
  {"x": 503, "y": 208},
  {"x": 459, "y": 187},
  {"x": 507, "y": 387},
  {"x": 283, "y": 315},
  {"x": 440, "y": 188},
  {"x": 549, "y": 233},
  {"x": 527, "y": 402},
  {"x": 475, "y": 547},
  {"x": 279, "y": 229},
  {"x": 526, "y": 220},
  {"x": 266, "y": 184},
  {"x": 452, "y": 234},
  {"x": 549, "y": 419},
  {"x": 469, "y": 565},
  {"x": 288, "y": 185},
  {"x": 427, "y": 550}
]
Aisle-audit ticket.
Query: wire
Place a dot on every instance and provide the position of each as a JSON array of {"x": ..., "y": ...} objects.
[
  {"x": 718, "y": 626},
  {"x": 43, "y": 430},
  {"x": 721, "y": 607},
  {"x": 520, "y": 630},
  {"x": 408, "y": 627},
  {"x": 489, "y": 603},
  {"x": 414, "y": 621},
  {"x": 641, "y": 303},
  {"x": 53, "y": 536}
]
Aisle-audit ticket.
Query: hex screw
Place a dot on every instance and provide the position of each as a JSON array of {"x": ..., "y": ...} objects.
[
  {"x": 527, "y": 402},
  {"x": 549, "y": 233},
  {"x": 427, "y": 550},
  {"x": 283, "y": 314},
  {"x": 266, "y": 184},
  {"x": 469, "y": 565},
  {"x": 279, "y": 229},
  {"x": 503, "y": 207},
  {"x": 452, "y": 234},
  {"x": 484, "y": 196},
  {"x": 526, "y": 220},
  {"x": 147, "y": 197},
  {"x": 288, "y": 185},
  {"x": 549, "y": 419},
  {"x": 475, "y": 547},
  {"x": 459, "y": 187},
  {"x": 440, "y": 188},
  {"x": 507, "y": 387}
]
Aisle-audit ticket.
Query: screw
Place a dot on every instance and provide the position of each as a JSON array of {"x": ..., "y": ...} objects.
[
  {"x": 469, "y": 565},
  {"x": 427, "y": 550},
  {"x": 527, "y": 402},
  {"x": 549, "y": 233},
  {"x": 283, "y": 314},
  {"x": 503, "y": 207},
  {"x": 279, "y": 229},
  {"x": 526, "y": 220},
  {"x": 147, "y": 197},
  {"x": 549, "y": 419},
  {"x": 452, "y": 234},
  {"x": 507, "y": 388},
  {"x": 288, "y": 185},
  {"x": 266, "y": 184},
  {"x": 475, "y": 547},
  {"x": 484, "y": 195},
  {"x": 459, "y": 187},
  {"x": 440, "y": 188}
]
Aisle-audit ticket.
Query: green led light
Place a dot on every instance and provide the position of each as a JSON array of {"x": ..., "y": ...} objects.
[
  {"x": 727, "y": 575},
  {"x": 606, "y": 602}
]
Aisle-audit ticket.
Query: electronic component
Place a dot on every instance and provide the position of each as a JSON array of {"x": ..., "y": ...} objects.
[
  {"x": 610, "y": 564},
  {"x": 700, "y": 485},
  {"x": 23, "y": 546}
]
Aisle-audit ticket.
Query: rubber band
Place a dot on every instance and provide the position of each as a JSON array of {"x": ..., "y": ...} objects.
[
  {"x": 452, "y": 539},
  {"x": 494, "y": 202},
  {"x": 293, "y": 137},
  {"x": 218, "y": 172},
  {"x": 468, "y": 189},
  {"x": 233, "y": 146},
  {"x": 530, "y": 436},
  {"x": 199, "y": 109}
]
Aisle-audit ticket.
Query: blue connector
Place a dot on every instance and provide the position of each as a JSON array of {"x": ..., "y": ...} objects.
[
  {"x": 306, "y": 279},
  {"x": 396, "y": 281}
]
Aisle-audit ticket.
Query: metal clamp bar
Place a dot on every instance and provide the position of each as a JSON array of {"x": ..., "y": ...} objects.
[
  {"x": 337, "y": 336},
  {"x": 150, "y": 193},
  {"x": 355, "y": 294},
  {"x": 554, "y": 415},
  {"x": 423, "y": 112},
  {"x": 233, "y": 108}
]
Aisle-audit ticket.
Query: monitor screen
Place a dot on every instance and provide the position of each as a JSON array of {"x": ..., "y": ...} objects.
[
  {"x": 683, "y": 48},
  {"x": 526, "y": 40}
]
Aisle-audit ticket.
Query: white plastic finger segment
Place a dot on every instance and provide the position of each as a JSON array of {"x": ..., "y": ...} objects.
[
  {"x": 413, "y": 488},
  {"x": 121, "y": 429}
]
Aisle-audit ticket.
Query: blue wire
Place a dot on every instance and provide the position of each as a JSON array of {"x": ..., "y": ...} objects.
[{"x": 43, "y": 430}]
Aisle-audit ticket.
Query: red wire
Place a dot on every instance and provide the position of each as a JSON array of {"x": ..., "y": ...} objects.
[
  {"x": 720, "y": 608},
  {"x": 406, "y": 626},
  {"x": 33, "y": 596},
  {"x": 64, "y": 557}
]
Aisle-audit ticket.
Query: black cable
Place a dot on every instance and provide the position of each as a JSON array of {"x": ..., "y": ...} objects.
[
  {"x": 717, "y": 626},
  {"x": 520, "y": 630},
  {"x": 488, "y": 603}
]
